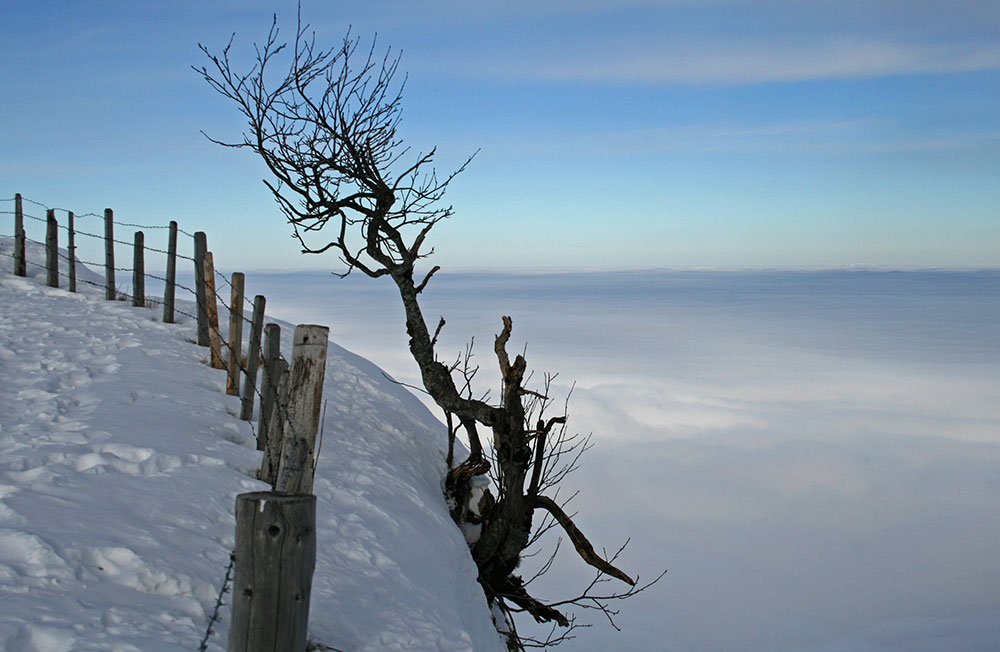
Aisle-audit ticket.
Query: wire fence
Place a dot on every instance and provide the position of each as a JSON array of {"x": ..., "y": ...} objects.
[
  {"x": 71, "y": 257},
  {"x": 123, "y": 295},
  {"x": 276, "y": 405}
]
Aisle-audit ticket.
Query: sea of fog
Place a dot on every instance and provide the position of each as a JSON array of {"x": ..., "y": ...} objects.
[{"x": 814, "y": 456}]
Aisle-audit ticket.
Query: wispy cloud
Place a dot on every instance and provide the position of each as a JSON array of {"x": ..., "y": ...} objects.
[
  {"x": 734, "y": 63},
  {"x": 724, "y": 42}
]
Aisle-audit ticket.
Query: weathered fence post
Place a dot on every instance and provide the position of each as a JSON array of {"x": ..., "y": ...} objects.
[
  {"x": 276, "y": 425},
  {"x": 169, "y": 289},
  {"x": 305, "y": 398},
  {"x": 275, "y": 559},
  {"x": 212, "y": 311},
  {"x": 253, "y": 358},
  {"x": 109, "y": 254},
  {"x": 139, "y": 270},
  {"x": 20, "y": 261},
  {"x": 268, "y": 382},
  {"x": 51, "y": 249},
  {"x": 200, "y": 248},
  {"x": 235, "y": 335},
  {"x": 71, "y": 250}
]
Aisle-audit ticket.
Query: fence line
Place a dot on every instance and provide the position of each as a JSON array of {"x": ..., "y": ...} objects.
[
  {"x": 73, "y": 232},
  {"x": 111, "y": 287},
  {"x": 101, "y": 237},
  {"x": 288, "y": 395},
  {"x": 66, "y": 210}
]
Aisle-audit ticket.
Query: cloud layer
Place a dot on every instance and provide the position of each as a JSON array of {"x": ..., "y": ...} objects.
[{"x": 813, "y": 456}]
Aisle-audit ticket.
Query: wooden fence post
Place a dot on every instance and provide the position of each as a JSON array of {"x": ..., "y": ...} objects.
[
  {"x": 139, "y": 270},
  {"x": 212, "y": 311},
  {"x": 200, "y": 248},
  {"x": 275, "y": 559},
  {"x": 235, "y": 335},
  {"x": 51, "y": 249},
  {"x": 253, "y": 358},
  {"x": 276, "y": 425},
  {"x": 71, "y": 250},
  {"x": 109, "y": 254},
  {"x": 268, "y": 382},
  {"x": 169, "y": 290},
  {"x": 305, "y": 399},
  {"x": 20, "y": 261}
]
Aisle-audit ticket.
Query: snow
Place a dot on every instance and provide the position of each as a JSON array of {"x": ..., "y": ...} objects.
[{"x": 120, "y": 460}]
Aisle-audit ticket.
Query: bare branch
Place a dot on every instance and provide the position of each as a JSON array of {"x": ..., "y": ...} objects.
[
  {"x": 325, "y": 123},
  {"x": 437, "y": 331},
  {"x": 423, "y": 283},
  {"x": 580, "y": 542}
]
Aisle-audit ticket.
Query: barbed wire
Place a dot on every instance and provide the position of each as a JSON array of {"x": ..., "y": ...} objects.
[
  {"x": 76, "y": 231},
  {"x": 176, "y": 284},
  {"x": 75, "y": 259},
  {"x": 246, "y": 300},
  {"x": 118, "y": 293},
  {"x": 32, "y": 201},
  {"x": 218, "y": 603},
  {"x": 41, "y": 266},
  {"x": 247, "y": 303},
  {"x": 23, "y": 214},
  {"x": 101, "y": 237},
  {"x": 143, "y": 226},
  {"x": 75, "y": 215},
  {"x": 56, "y": 208},
  {"x": 224, "y": 279}
]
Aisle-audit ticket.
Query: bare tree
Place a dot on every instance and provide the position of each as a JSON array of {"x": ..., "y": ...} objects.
[{"x": 325, "y": 124}]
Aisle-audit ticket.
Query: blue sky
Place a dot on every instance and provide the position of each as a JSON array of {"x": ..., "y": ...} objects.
[{"x": 677, "y": 133}]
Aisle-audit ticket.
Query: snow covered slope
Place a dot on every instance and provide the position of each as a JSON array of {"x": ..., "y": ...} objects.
[{"x": 120, "y": 460}]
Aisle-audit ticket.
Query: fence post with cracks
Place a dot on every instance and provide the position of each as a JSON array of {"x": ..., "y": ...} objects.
[
  {"x": 212, "y": 311},
  {"x": 234, "y": 361},
  {"x": 305, "y": 397},
  {"x": 274, "y": 561},
  {"x": 268, "y": 383},
  {"x": 253, "y": 358}
]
